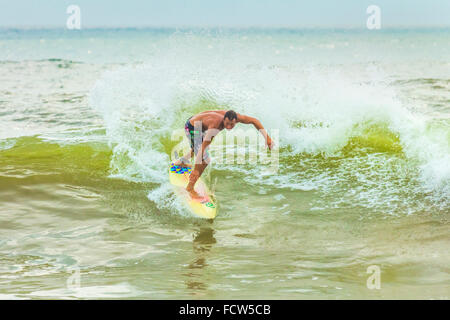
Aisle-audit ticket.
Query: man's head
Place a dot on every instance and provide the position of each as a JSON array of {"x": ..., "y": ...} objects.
[{"x": 229, "y": 119}]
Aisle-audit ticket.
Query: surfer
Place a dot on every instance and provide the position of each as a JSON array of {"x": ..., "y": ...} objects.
[{"x": 201, "y": 130}]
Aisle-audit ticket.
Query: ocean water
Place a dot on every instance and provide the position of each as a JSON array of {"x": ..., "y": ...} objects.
[{"x": 362, "y": 179}]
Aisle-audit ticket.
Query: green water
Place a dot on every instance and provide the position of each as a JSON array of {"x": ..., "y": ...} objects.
[
  {"x": 266, "y": 242},
  {"x": 361, "y": 180}
]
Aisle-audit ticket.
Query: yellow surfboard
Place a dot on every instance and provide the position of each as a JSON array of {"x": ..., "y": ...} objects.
[{"x": 204, "y": 207}]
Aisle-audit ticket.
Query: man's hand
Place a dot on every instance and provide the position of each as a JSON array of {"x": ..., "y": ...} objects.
[{"x": 269, "y": 143}]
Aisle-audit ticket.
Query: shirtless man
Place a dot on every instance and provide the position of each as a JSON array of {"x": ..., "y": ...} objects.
[{"x": 211, "y": 123}]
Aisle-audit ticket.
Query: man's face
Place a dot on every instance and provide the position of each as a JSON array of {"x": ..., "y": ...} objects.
[{"x": 229, "y": 124}]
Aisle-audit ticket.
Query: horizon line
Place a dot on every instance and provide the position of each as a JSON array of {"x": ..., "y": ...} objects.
[{"x": 261, "y": 27}]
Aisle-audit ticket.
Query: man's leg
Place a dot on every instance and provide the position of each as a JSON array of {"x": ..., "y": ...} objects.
[
  {"x": 184, "y": 161},
  {"x": 192, "y": 179}
]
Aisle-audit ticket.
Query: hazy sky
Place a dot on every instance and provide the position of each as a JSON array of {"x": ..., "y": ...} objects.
[{"x": 230, "y": 13}]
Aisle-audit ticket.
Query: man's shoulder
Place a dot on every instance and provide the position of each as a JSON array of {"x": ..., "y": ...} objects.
[{"x": 243, "y": 118}]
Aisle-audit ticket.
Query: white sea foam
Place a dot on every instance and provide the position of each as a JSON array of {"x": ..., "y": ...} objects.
[{"x": 317, "y": 108}]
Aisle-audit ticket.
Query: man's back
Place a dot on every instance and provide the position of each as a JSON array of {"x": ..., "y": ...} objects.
[{"x": 209, "y": 119}]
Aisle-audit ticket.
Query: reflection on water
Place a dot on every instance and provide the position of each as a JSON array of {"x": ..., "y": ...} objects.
[{"x": 202, "y": 244}]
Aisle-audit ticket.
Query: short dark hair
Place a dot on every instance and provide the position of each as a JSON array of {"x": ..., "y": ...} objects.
[{"x": 230, "y": 114}]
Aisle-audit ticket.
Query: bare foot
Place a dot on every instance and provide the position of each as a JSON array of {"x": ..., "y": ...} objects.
[{"x": 194, "y": 194}]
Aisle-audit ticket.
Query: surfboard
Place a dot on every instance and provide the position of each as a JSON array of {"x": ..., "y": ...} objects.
[{"x": 203, "y": 207}]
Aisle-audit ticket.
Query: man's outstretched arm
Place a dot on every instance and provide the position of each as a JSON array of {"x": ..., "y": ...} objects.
[{"x": 258, "y": 125}]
